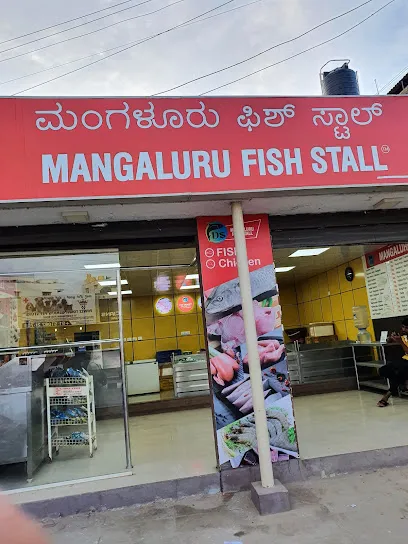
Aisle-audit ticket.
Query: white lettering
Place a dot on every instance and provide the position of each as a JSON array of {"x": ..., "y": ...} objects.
[
  {"x": 378, "y": 167},
  {"x": 201, "y": 160},
  {"x": 320, "y": 164},
  {"x": 122, "y": 166},
  {"x": 80, "y": 168},
  {"x": 100, "y": 166},
  {"x": 232, "y": 263},
  {"x": 226, "y": 251},
  {"x": 349, "y": 160},
  {"x": 56, "y": 171},
  {"x": 176, "y": 165},
  {"x": 247, "y": 161},
  {"x": 144, "y": 166},
  {"x": 361, "y": 159},
  {"x": 393, "y": 251},
  {"x": 261, "y": 160},
  {"x": 161, "y": 174},
  {"x": 273, "y": 155},
  {"x": 295, "y": 160},
  {"x": 334, "y": 151},
  {"x": 216, "y": 164}
]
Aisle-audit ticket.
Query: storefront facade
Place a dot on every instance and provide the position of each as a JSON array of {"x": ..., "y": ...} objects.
[{"x": 89, "y": 181}]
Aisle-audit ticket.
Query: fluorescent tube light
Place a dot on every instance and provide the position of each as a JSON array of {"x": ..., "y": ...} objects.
[
  {"x": 284, "y": 268},
  {"x": 107, "y": 265},
  {"x": 190, "y": 287},
  {"x": 114, "y": 293},
  {"x": 309, "y": 252},
  {"x": 109, "y": 283},
  {"x": 192, "y": 277}
]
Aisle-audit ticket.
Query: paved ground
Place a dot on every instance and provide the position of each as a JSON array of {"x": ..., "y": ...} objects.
[{"x": 361, "y": 508}]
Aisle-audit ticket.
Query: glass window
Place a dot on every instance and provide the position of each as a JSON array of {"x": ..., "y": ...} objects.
[{"x": 61, "y": 378}]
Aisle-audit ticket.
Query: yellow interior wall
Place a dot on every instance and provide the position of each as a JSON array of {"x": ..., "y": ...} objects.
[
  {"x": 160, "y": 332},
  {"x": 327, "y": 297},
  {"x": 140, "y": 320}
]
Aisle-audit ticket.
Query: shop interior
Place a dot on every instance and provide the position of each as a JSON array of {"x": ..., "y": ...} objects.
[
  {"x": 63, "y": 317},
  {"x": 324, "y": 294}
]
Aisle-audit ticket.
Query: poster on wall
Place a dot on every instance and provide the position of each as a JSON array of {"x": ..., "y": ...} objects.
[
  {"x": 59, "y": 308},
  {"x": 387, "y": 281},
  {"x": 231, "y": 383},
  {"x": 9, "y": 329}
]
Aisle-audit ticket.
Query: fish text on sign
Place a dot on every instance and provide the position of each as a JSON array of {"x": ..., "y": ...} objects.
[{"x": 334, "y": 159}]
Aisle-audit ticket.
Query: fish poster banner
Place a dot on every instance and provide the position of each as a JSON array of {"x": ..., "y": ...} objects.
[{"x": 231, "y": 383}]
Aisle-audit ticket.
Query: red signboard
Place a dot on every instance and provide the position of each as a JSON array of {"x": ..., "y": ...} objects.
[
  {"x": 217, "y": 247},
  {"x": 84, "y": 148},
  {"x": 386, "y": 254}
]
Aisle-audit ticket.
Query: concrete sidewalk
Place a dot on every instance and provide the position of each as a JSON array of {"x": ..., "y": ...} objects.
[{"x": 354, "y": 508}]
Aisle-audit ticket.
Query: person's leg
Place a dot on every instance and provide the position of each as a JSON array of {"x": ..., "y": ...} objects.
[
  {"x": 393, "y": 391},
  {"x": 383, "y": 402}
]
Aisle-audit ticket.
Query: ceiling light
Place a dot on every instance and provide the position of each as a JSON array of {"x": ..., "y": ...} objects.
[
  {"x": 284, "y": 268},
  {"x": 192, "y": 277},
  {"x": 114, "y": 293},
  {"x": 109, "y": 283},
  {"x": 190, "y": 286},
  {"x": 309, "y": 252},
  {"x": 107, "y": 265}
]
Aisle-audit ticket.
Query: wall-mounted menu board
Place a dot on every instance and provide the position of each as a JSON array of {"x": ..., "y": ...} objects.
[{"x": 387, "y": 281}]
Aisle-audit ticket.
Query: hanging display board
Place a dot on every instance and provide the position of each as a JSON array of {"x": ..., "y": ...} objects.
[
  {"x": 231, "y": 383},
  {"x": 387, "y": 281}
]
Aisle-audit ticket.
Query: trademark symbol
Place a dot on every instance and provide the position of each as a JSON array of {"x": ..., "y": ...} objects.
[{"x": 385, "y": 148}]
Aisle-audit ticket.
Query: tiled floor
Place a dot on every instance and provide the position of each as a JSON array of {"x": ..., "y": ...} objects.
[
  {"x": 164, "y": 447},
  {"x": 348, "y": 422},
  {"x": 173, "y": 445},
  {"x": 181, "y": 444}
]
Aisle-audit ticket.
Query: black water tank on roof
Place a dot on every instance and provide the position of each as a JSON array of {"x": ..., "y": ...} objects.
[{"x": 340, "y": 81}]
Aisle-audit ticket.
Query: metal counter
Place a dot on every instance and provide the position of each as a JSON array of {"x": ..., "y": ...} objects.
[
  {"x": 313, "y": 363},
  {"x": 190, "y": 375}
]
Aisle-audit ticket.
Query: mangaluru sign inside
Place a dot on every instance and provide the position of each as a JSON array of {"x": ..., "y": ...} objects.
[{"x": 85, "y": 148}]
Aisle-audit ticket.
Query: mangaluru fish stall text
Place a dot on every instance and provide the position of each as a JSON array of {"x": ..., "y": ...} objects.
[{"x": 123, "y": 166}]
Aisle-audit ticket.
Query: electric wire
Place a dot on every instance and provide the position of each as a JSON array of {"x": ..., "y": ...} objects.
[
  {"x": 71, "y": 21},
  {"x": 394, "y": 80},
  {"x": 123, "y": 45},
  {"x": 86, "y": 33},
  {"x": 130, "y": 46},
  {"x": 291, "y": 40},
  {"x": 301, "y": 52}
]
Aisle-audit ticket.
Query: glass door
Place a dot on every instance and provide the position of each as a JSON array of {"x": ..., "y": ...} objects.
[{"x": 61, "y": 369}]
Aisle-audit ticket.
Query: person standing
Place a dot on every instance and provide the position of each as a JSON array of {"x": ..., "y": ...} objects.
[{"x": 396, "y": 372}]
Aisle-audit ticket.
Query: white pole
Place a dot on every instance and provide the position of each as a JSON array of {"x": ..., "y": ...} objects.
[{"x": 254, "y": 364}]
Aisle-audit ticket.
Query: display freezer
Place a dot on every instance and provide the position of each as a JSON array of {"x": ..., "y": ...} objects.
[{"x": 22, "y": 412}]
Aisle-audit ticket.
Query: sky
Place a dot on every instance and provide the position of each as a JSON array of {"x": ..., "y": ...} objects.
[{"x": 377, "y": 48}]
